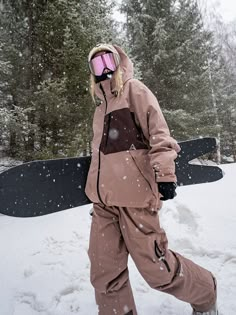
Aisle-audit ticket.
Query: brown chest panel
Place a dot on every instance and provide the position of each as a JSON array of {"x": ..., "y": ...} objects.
[{"x": 121, "y": 133}]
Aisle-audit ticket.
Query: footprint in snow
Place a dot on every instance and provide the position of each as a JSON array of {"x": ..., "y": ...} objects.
[
  {"x": 187, "y": 216},
  {"x": 31, "y": 300}
]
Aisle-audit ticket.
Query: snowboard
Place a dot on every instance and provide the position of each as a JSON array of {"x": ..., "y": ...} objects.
[{"x": 43, "y": 187}]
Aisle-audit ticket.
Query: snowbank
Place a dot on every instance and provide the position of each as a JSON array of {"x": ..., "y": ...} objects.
[{"x": 44, "y": 267}]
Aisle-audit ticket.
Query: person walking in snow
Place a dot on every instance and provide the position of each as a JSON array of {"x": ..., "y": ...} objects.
[{"x": 132, "y": 171}]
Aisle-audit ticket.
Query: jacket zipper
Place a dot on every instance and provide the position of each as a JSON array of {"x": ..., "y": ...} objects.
[
  {"x": 98, "y": 177},
  {"x": 108, "y": 127},
  {"x": 99, "y": 155},
  {"x": 161, "y": 256}
]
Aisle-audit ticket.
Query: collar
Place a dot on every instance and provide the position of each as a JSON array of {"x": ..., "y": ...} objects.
[{"x": 104, "y": 91}]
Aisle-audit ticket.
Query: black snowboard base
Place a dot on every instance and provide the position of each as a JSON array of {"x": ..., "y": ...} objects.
[
  {"x": 43, "y": 187},
  {"x": 190, "y": 174}
]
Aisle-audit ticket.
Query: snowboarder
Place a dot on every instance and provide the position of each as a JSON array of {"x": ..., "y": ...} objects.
[{"x": 132, "y": 171}]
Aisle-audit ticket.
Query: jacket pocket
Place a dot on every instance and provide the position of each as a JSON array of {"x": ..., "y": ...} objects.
[
  {"x": 161, "y": 256},
  {"x": 142, "y": 173}
]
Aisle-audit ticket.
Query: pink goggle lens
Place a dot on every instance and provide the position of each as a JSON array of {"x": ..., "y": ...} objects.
[
  {"x": 109, "y": 61},
  {"x": 100, "y": 63}
]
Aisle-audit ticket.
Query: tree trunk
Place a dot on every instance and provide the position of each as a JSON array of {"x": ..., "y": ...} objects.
[
  {"x": 30, "y": 80},
  {"x": 55, "y": 138},
  {"x": 42, "y": 128}
]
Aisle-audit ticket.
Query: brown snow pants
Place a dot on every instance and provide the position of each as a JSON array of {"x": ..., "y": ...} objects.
[{"x": 117, "y": 232}]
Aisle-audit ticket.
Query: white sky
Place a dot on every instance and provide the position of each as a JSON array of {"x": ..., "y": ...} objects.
[{"x": 227, "y": 8}]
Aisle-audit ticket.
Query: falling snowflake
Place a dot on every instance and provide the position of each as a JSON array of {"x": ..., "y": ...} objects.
[{"x": 113, "y": 134}]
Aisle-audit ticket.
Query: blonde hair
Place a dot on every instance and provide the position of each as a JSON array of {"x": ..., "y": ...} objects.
[{"x": 116, "y": 78}]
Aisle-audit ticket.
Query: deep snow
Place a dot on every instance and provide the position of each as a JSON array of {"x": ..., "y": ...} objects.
[{"x": 44, "y": 267}]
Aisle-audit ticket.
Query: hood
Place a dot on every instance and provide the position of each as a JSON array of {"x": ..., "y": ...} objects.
[
  {"x": 101, "y": 47},
  {"x": 126, "y": 66}
]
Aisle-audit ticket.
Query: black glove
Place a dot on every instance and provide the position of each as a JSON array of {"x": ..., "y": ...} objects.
[{"x": 167, "y": 190}]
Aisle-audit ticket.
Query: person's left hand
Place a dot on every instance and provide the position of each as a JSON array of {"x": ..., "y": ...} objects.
[{"x": 167, "y": 190}]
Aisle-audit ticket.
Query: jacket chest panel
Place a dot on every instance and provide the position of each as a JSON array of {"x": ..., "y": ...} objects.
[{"x": 121, "y": 132}]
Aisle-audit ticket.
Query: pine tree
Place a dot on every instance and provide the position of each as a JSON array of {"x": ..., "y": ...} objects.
[
  {"x": 173, "y": 48},
  {"x": 224, "y": 84},
  {"x": 17, "y": 33},
  {"x": 46, "y": 45}
]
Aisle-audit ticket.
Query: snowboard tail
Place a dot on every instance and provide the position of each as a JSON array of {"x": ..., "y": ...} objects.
[
  {"x": 190, "y": 174},
  {"x": 43, "y": 187}
]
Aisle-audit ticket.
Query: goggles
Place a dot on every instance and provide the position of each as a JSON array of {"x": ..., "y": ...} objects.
[{"x": 98, "y": 64}]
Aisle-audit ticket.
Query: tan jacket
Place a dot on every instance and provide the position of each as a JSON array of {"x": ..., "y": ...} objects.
[{"x": 131, "y": 139}]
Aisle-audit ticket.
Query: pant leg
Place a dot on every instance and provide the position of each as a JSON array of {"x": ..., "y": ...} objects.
[
  {"x": 109, "y": 256},
  {"x": 163, "y": 269}
]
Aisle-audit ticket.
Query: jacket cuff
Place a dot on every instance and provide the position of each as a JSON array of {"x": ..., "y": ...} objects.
[{"x": 164, "y": 175}]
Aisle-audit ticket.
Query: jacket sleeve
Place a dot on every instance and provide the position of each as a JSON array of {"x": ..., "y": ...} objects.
[{"x": 163, "y": 148}]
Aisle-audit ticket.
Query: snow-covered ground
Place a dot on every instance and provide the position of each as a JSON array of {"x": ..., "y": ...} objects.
[
  {"x": 44, "y": 267},
  {"x": 6, "y": 162}
]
